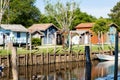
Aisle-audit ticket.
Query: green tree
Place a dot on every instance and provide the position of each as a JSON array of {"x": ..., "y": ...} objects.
[
  {"x": 22, "y": 12},
  {"x": 81, "y": 17},
  {"x": 101, "y": 25},
  {"x": 48, "y": 19},
  {"x": 115, "y": 14}
]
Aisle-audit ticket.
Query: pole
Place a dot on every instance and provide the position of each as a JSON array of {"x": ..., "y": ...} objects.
[
  {"x": 14, "y": 63},
  {"x": 116, "y": 56},
  {"x": 69, "y": 41},
  {"x": 30, "y": 49},
  {"x": 30, "y": 43},
  {"x": 87, "y": 53},
  {"x": 47, "y": 41},
  {"x": 88, "y": 71},
  {"x": 102, "y": 40},
  {"x": 88, "y": 63},
  {"x": 55, "y": 48}
]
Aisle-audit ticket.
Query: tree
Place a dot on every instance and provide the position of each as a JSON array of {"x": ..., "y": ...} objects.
[
  {"x": 81, "y": 17},
  {"x": 48, "y": 19},
  {"x": 100, "y": 27},
  {"x": 63, "y": 13},
  {"x": 3, "y": 6},
  {"x": 22, "y": 12},
  {"x": 115, "y": 14}
]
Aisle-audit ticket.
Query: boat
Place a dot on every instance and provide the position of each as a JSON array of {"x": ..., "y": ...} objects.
[{"x": 107, "y": 57}]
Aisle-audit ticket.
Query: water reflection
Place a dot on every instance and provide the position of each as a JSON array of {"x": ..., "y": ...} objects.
[
  {"x": 62, "y": 71},
  {"x": 106, "y": 70}
]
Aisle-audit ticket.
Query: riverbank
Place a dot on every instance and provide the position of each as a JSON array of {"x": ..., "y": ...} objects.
[
  {"x": 50, "y": 54},
  {"x": 51, "y": 49},
  {"x": 41, "y": 58}
]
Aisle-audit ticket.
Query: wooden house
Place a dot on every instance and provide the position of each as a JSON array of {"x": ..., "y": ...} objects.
[
  {"x": 86, "y": 27},
  {"x": 111, "y": 33},
  {"x": 15, "y": 33},
  {"x": 44, "y": 31},
  {"x": 108, "y": 37}
]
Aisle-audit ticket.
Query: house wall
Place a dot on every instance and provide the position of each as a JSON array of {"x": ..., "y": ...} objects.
[
  {"x": 37, "y": 35},
  {"x": 49, "y": 37},
  {"x": 94, "y": 38},
  {"x": 111, "y": 35},
  {"x": 21, "y": 39}
]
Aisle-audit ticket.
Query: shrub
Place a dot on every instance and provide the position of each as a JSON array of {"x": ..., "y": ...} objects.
[{"x": 36, "y": 41}]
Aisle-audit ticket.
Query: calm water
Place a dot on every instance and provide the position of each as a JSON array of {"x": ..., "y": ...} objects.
[{"x": 62, "y": 71}]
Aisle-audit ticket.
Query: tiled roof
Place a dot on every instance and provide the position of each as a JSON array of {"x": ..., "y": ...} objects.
[
  {"x": 14, "y": 27},
  {"x": 82, "y": 25},
  {"x": 40, "y": 27}
]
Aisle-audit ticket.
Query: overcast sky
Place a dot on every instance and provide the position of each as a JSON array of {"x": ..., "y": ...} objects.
[{"x": 97, "y": 8}]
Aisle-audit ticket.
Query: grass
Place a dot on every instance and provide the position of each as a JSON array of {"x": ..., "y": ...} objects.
[{"x": 50, "y": 49}]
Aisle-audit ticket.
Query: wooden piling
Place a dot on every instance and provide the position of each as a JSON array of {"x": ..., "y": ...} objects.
[
  {"x": 42, "y": 58},
  {"x": 26, "y": 60},
  {"x": 14, "y": 63},
  {"x": 8, "y": 60}
]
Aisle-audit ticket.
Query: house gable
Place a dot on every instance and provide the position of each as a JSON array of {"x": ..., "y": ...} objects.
[{"x": 112, "y": 28}]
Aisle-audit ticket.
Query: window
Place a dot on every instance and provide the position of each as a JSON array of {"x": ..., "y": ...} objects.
[{"x": 18, "y": 34}]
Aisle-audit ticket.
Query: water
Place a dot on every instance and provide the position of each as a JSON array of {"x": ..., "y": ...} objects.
[{"x": 63, "y": 71}]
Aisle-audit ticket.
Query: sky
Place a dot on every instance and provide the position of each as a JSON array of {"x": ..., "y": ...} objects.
[{"x": 97, "y": 8}]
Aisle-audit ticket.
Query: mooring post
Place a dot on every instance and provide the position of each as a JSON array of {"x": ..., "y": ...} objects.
[
  {"x": 116, "y": 57},
  {"x": 88, "y": 63},
  {"x": 14, "y": 63},
  {"x": 87, "y": 54}
]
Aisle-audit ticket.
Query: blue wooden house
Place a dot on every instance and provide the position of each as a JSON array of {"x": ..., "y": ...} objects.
[
  {"x": 15, "y": 33},
  {"x": 47, "y": 31},
  {"x": 111, "y": 33}
]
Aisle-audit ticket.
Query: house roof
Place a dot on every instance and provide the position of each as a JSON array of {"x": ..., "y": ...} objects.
[
  {"x": 41, "y": 27},
  {"x": 84, "y": 25},
  {"x": 113, "y": 24},
  {"x": 14, "y": 27}
]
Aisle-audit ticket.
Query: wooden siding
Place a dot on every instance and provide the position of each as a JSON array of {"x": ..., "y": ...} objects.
[
  {"x": 8, "y": 38},
  {"x": 49, "y": 34}
]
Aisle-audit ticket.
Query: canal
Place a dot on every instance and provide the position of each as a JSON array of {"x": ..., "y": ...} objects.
[{"x": 62, "y": 71}]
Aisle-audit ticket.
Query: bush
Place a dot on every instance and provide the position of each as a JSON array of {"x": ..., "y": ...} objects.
[{"x": 36, "y": 41}]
